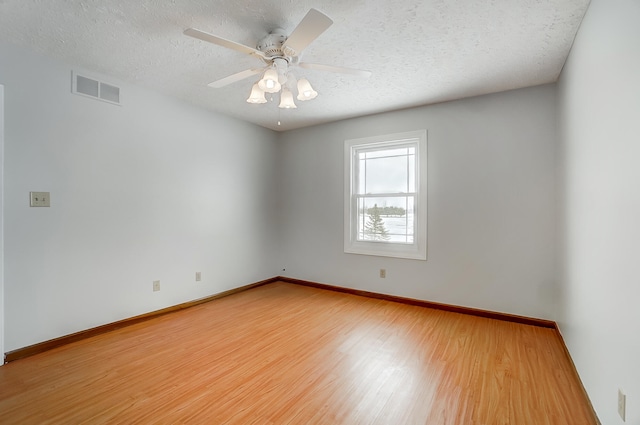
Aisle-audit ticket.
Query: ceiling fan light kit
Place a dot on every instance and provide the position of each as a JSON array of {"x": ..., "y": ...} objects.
[{"x": 279, "y": 53}]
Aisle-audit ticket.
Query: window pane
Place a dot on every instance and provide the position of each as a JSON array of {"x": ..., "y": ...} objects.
[
  {"x": 386, "y": 219},
  {"x": 387, "y": 175},
  {"x": 386, "y": 171}
]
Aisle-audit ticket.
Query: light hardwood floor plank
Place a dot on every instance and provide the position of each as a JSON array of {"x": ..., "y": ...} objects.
[{"x": 289, "y": 354}]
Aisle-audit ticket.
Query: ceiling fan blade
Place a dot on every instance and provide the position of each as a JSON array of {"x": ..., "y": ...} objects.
[
  {"x": 337, "y": 69},
  {"x": 234, "y": 77},
  {"x": 205, "y": 36},
  {"x": 312, "y": 25}
]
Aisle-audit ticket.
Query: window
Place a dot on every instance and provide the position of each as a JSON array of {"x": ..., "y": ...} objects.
[{"x": 386, "y": 195}]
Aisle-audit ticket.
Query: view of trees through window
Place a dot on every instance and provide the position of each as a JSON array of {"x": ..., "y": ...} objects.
[
  {"x": 374, "y": 228},
  {"x": 386, "y": 223}
]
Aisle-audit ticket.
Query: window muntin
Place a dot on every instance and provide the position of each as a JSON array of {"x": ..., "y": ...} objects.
[{"x": 385, "y": 195}]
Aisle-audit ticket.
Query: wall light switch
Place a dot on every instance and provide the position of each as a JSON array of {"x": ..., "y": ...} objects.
[
  {"x": 622, "y": 405},
  {"x": 39, "y": 199}
]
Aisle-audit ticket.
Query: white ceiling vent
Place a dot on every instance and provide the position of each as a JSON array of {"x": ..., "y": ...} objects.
[{"x": 86, "y": 86}]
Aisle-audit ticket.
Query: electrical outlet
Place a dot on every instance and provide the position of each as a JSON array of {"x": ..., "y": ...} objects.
[
  {"x": 383, "y": 273},
  {"x": 198, "y": 276},
  {"x": 39, "y": 199},
  {"x": 622, "y": 404},
  {"x": 156, "y": 285}
]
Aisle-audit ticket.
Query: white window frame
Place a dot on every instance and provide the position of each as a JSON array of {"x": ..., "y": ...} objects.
[{"x": 418, "y": 249}]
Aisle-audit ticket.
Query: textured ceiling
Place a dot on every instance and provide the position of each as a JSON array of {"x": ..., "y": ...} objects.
[{"x": 420, "y": 51}]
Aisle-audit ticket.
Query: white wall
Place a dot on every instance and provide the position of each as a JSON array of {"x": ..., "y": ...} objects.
[
  {"x": 491, "y": 242},
  {"x": 1, "y": 224},
  {"x": 151, "y": 190},
  {"x": 599, "y": 98}
]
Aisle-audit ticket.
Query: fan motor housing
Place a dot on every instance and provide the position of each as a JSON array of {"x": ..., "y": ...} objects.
[{"x": 271, "y": 44}]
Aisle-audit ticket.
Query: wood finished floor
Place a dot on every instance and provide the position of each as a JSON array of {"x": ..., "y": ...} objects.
[{"x": 288, "y": 354}]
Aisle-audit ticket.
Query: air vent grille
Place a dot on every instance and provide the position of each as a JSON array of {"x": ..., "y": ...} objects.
[{"x": 90, "y": 87}]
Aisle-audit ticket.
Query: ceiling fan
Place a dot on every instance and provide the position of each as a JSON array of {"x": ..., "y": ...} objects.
[{"x": 279, "y": 53}]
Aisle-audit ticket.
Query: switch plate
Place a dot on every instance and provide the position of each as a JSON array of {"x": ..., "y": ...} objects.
[
  {"x": 156, "y": 285},
  {"x": 39, "y": 199},
  {"x": 622, "y": 404},
  {"x": 198, "y": 276}
]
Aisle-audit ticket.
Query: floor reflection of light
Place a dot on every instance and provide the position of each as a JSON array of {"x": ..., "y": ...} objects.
[{"x": 385, "y": 374}]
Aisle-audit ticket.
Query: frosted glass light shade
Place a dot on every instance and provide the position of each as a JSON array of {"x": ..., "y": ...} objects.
[
  {"x": 286, "y": 100},
  {"x": 269, "y": 82},
  {"x": 305, "y": 91},
  {"x": 257, "y": 95}
]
